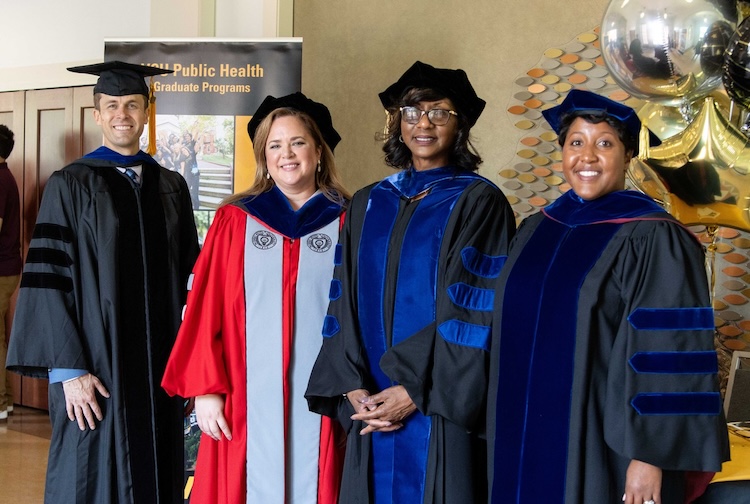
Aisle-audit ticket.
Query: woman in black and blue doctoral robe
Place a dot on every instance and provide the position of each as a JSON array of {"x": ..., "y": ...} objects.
[
  {"x": 404, "y": 359},
  {"x": 603, "y": 382}
]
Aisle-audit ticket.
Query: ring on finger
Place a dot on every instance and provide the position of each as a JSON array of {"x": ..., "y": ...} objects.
[{"x": 650, "y": 501}]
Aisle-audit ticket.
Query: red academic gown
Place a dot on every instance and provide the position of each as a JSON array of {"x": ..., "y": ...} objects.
[{"x": 232, "y": 286}]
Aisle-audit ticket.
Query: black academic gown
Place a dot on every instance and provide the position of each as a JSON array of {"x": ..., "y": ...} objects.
[
  {"x": 102, "y": 290},
  {"x": 602, "y": 352},
  {"x": 411, "y": 304}
]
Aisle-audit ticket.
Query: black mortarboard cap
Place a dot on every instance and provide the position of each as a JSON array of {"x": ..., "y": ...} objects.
[
  {"x": 578, "y": 100},
  {"x": 298, "y": 101},
  {"x": 454, "y": 83},
  {"x": 117, "y": 78}
]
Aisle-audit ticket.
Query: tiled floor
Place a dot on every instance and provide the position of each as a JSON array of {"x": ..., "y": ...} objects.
[{"x": 24, "y": 442}]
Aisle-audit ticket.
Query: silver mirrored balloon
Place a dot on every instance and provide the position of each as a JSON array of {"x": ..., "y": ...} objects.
[{"x": 667, "y": 51}]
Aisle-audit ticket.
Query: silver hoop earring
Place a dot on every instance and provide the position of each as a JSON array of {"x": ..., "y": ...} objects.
[
  {"x": 318, "y": 165},
  {"x": 401, "y": 139}
]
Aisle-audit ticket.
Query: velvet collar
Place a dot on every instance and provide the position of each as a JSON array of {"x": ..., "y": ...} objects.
[
  {"x": 412, "y": 182},
  {"x": 572, "y": 210},
  {"x": 273, "y": 209},
  {"x": 107, "y": 154}
]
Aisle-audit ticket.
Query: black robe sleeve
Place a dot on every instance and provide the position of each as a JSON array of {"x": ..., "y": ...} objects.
[
  {"x": 46, "y": 311},
  {"x": 661, "y": 267}
]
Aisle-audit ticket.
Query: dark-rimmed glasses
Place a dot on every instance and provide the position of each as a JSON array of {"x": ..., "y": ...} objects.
[{"x": 438, "y": 117}]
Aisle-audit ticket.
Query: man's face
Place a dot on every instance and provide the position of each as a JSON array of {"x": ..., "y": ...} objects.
[{"x": 122, "y": 119}]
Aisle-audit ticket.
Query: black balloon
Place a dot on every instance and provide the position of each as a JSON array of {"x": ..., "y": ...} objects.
[
  {"x": 715, "y": 43},
  {"x": 736, "y": 76}
]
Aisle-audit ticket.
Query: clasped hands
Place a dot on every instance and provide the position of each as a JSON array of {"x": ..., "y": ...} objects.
[{"x": 382, "y": 412}]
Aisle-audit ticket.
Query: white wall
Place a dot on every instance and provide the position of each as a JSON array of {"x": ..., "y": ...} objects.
[{"x": 43, "y": 37}]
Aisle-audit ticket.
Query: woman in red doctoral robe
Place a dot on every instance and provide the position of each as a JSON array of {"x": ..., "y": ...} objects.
[{"x": 252, "y": 325}]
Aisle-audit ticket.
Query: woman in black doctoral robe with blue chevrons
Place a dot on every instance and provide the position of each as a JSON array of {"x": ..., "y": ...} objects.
[
  {"x": 603, "y": 383},
  {"x": 404, "y": 359}
]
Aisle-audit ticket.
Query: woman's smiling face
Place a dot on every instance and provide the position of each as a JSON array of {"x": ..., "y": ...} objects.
[
  {"x": 594, "y": 159},
  {"x": 430, "y": 145}
]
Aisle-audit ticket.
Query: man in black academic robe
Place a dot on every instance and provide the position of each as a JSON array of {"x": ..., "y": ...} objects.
[{"x": 99, "y": 307}]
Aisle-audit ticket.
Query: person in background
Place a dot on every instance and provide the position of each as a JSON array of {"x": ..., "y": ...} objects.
[
  {"x": 603, "y": 382},
  {"x": 252, "y": 325},
  {"x": 405, "y": 349},
  {"x": 10, "y": 256},
  {"x": 99, "y": 306}
]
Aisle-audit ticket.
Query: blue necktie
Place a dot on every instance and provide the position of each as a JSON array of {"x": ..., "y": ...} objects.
[{"x": 132, "y": 175}]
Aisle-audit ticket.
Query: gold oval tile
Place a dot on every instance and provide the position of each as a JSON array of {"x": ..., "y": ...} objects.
[
  {"x": 508, "y": 174},
  {"x": 553, "y": 53},
  {"x": 743, "y": 243},
  {"x": 719, "y": 305},
  {"x": 548, "y": 136},
  {"x": 563, "y": 87},
  {"x": 525, "y": 124},
  {"x": 512, "y": 199},
  {"x": 550, "y": 79},
  {"x": 556, "y": 156},
  {"x": 526, "y": 153},
  {"x": 584, "y": 65},
  {"x": 587, "y": 38},
  {"x": 541, "y": 161},
  {"x": 554, "y": 180},
  {"x": 723, "y": 248},
  {"x": 526, "y": 178}
]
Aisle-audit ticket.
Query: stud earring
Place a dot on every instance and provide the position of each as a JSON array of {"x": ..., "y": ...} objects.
[{"x": 268, "y": 176}]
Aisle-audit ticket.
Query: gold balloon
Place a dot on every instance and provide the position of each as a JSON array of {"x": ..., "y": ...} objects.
[
  {"x": 663, "y": 120},
  {"x": 700, "y": 175}
]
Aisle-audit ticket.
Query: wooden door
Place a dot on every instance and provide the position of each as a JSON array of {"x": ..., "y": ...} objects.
[{"x": 52, "y": 128}]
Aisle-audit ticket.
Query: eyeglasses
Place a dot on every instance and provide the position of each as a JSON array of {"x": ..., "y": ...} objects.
[{"x": 438, "y": 117}]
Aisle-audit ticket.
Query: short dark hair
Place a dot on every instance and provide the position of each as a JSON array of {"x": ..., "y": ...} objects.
[
  {"x": 6, "y": 141},
  {"x": 595, "y": 117},
  {"x": 398, "y": 155}
]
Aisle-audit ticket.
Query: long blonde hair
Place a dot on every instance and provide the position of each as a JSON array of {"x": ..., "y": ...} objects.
[{"x": 327, "y": 179}]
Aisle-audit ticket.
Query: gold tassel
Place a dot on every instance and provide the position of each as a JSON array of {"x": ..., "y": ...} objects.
[
  {"x": 151, "y": 118},
  {"x": 385, "y": 128}
]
